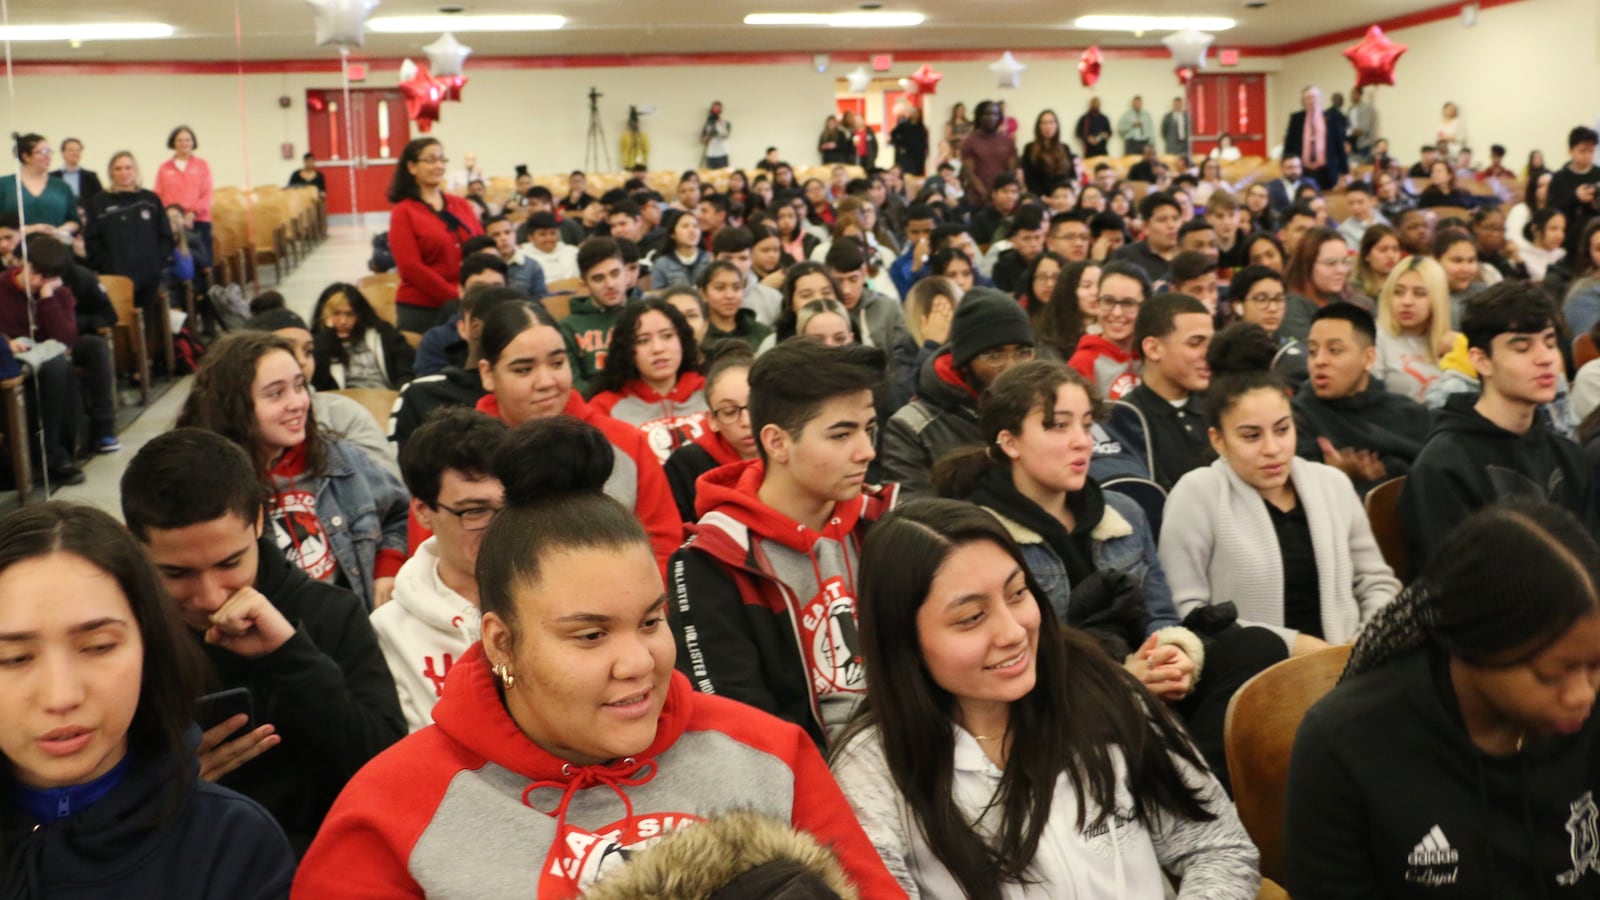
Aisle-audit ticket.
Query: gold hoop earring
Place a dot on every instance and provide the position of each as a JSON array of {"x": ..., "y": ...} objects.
[{"x": 503, "y": 671}]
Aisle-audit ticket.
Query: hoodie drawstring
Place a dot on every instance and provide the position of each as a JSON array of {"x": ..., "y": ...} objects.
[{"x": 630, "y": 773}]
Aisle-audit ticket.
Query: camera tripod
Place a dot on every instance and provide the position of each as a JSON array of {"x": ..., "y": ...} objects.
[{"x": 597, "y": 148}]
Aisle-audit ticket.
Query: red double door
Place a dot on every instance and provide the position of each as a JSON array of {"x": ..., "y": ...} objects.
[
  {"x": 365, "y": 139},
  {"x": 1231, "y": 103}
]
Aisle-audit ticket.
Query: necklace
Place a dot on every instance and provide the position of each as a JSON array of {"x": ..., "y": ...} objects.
[{"x": 987, "y": 737}]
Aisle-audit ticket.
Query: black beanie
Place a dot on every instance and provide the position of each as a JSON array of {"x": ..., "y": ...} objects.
[
  {"x": 985, "y": 319},
  {"x": 275, "y": 320}
]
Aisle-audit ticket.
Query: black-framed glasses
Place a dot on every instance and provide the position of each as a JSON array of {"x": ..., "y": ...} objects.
[
  {"x": 475, "y": 518},
  {"x": 729, "y": 415},
  {"x": 1268, "y": 300}
]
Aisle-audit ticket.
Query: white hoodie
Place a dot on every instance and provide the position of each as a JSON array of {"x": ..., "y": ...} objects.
[{"x": 423, "y": 630}]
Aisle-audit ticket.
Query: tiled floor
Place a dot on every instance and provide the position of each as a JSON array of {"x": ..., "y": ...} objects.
[{"x": 342, "y": 257}]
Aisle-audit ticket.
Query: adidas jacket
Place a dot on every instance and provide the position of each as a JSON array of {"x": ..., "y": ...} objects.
[
  {"x": 763, "y": 609},
  {"x": 668, "y": 421},
  {"x": 471, "y": 808},
  {"x": 1388, "y": 797},
  {"x": 423, "y": 631}
]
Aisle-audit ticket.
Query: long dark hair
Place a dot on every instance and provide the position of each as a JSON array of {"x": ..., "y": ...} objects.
[
  {"x": 403, "y": 186},
  {"x": 1033, "y": 304},
  {"x": 222, "y": 400},
  {"x": 1082, "y": 706},
  {"x": 1060, "y": 323},
  {"x": 1018, "y": 391},
  {"x": 171, "y": 675},
  {"x": 788, "y": 317},
  {"x": 366, "y": 316},
  {"x": 1492, "y": 609},
  {"x": 621, "y": 367},
  {"x": 508, "y": 320}
]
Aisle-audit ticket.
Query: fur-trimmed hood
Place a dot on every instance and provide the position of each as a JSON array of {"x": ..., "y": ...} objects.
[{"x": 719, "y": 859}]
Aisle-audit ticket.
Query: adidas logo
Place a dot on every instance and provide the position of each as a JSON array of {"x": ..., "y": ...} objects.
[{"x": 1433, "y": 850}]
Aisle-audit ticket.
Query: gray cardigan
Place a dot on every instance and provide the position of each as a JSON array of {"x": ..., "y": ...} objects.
[{"x": 1218, "y": 545}]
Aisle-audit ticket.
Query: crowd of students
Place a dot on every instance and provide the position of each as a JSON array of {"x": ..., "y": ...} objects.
[{"x": 903, "y": 536}]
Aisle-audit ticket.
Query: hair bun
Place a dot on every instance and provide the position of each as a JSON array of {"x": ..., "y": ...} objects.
[
  {"x": 1241, "y": 348},
  {"x": 553, "y": 457}
]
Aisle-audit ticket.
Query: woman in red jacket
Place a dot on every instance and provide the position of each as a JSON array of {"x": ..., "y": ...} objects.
[
  {"x": 564, "y": 741},
  {"x": 526, "y": 370},
  {"x": 426, "y": 229},
  {"x": 185, "y": 180}
]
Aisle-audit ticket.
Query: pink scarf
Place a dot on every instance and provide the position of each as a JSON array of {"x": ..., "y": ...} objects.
[{"x": 1315, "y": 140}]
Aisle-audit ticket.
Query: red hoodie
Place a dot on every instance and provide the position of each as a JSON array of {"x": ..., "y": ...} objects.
[
  {"x": 764, "y": 608},
  {"x": 1113, "y": 370},
  {"x": 637, "y": 481},
  {"x": 668, "y": 421},
  {"x": 471, "y": 808}
]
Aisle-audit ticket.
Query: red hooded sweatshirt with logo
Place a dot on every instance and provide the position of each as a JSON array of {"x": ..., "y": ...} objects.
[
  {"x": 469, "y": 807},
  {"x": 764, "y": 609},
  {"x": 669, "y": 421}
]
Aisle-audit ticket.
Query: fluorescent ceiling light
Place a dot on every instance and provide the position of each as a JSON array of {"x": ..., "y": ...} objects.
[
  {"x": 463, "y": 24},
  {"x": 104, "y": 31},
  {"x": 1151, "y": 23},
  {"x": 838, "y": 20}
]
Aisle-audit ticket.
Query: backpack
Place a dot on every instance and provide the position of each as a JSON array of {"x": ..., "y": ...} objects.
[
  {"x": 229, "y": 305},
  {"x": 186, "y": 352},
  {"x": 382, "y": 260}
]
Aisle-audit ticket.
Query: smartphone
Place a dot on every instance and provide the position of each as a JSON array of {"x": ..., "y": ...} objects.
[{"x": 214, "y": 709}]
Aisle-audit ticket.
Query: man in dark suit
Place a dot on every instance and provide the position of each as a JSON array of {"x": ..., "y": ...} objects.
[
  {"x": 1321, "y": 147},
  {"x": 84, "y": 183},
  {"x": 1281, "y": 191}
]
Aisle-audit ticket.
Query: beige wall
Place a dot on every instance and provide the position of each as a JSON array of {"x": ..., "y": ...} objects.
[
  {"x": 1522, "y": 77},
  {"x": 537, "y": 116}
]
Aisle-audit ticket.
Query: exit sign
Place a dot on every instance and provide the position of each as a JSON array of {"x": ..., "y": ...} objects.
[
  {"x": 882, "y": 62},
  {"x": 358, "y": 71},
  {"x": 1228, "y": 57}
]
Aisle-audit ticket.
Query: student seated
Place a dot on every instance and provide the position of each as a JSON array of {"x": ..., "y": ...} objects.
[
  {"x": 589, "y": 325},
  {"x": 1107, "y": 359},
  {"x": 1413, "y": 327},
  {"x": 1349, "y": 419},
  {"x": 1162, "y": 218},
  {"x": 723, "y": 287},
  {"x": 1496, "y": 445},
  {"x": 565, "y": 730},
  {"x": 528, "y": 374},
  {"x": 985, "y": 709},
  {"x": 1457, "y": 753},
  {"x": 878, "y": 319},
  {"x": 651, "y": 379},
  {"x": 353, "y": 347},
  {"x": 1032, "y": 473},
  {"x": 930, "y": 311},
  {"x": 322, "y": 698},
  {"x": 1284, "y": 539},
  {"x": 433, "y": 617},
  {"x": 1173, "y": 333},
  {"x": 454, "y": 385},
  {"x": 446, "y": 344},
  {"x": 1258, "y": 297},
  {"x": 1457, "y": 253},
  {"x": 96, "y": 729},
  {"x": 988, "y": 335},
  {"x": 1027, "y": 242},
  {"x": 728, "y": 437},
  {"x": 764, "y": 594},
  {"x": 330, "y": 509}
]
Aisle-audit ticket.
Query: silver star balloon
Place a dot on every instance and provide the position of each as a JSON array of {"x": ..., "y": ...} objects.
[
  {"x": 1188, "y": 48},
  {"x": 446, "y": 56},
  {"x": 1007, "y": 70},
  {"x": 859, "y": 79},
  {"x": 341, "y": 23},
  {"x": 408, "y": 69}
]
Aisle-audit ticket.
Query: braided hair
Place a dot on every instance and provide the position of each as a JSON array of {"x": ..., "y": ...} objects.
[{"x": 1506, "y": 584}]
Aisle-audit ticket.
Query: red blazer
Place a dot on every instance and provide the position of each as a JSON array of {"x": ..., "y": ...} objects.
[{"x": 427, "y": 252}]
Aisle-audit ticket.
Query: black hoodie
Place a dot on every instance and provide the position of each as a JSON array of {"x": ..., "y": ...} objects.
[
  {"x": 1388, "y": 797},
  {"x": 327, "y": 691},
  {"x": 451, "y": 387},
  {"x": 1388, "y": 424},
  {"x": 1469, "y": 463},
  {"x": 215, "y": 844}
]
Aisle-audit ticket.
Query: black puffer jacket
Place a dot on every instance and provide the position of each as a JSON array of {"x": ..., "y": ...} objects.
[{"x": 943, "y": 417}]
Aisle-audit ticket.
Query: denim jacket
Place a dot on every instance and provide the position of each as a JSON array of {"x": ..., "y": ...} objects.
[
  {"x": 1121, "y": 542},
  {"x": 363, "y": 509}
]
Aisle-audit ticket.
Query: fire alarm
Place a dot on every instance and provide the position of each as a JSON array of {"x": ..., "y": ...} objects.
[{"x": 285, "y": 102}]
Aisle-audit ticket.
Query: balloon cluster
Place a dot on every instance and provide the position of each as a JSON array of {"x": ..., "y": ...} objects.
[
  {"x": 426, "y": 87},
  {"x": 1089, "y": 66}
]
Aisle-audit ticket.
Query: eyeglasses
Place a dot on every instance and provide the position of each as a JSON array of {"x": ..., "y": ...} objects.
[
  {"x": 728, "y": 415},
  {"x": 998, "y": 356},
  {"x": 1268, "y": 300},
  {"x": 1120, "y": 304},
  {"x": 433, "y": 160},
  {"x": 476, "y": 518}
]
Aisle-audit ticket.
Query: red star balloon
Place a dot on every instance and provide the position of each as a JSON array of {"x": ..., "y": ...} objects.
[
  {"x": 1185, "y": 75},
  {"x": 452, "y": 86},
  {"x": 1374, "y": 58},
  {"x": 423, "y": 95},
  {"x": 1089, "y": 66},
  {"x": 926, "y": 79}
]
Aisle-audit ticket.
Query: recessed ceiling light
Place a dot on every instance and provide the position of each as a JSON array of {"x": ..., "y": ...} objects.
[
  {"x": 1151, "y": 23},
  {"x": 463, "y": 24},
  {"x": 103, "y": 31},
  {"x": 873, "y": 19}
]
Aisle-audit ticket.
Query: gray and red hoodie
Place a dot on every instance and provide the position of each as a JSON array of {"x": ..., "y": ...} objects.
[
  {"x": 669, "y": 420},
  {"x": 764, "y": 609},
  {"x": 470, "y": 807}
]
